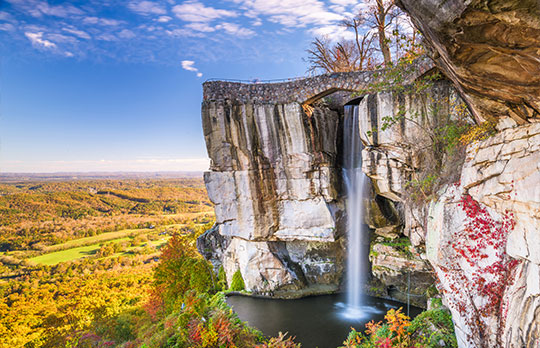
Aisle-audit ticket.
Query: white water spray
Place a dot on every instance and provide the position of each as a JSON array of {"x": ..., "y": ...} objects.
[{"x": 355, "y": 186}]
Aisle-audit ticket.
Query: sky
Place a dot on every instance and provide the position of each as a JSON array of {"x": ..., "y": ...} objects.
[{"x": 117, "y": 85}]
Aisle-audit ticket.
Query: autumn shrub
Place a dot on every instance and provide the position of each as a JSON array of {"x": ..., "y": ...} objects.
[
  {"x": 182, "y": 269},
  {"x": 280, "y": 342},
  {"x": 203, "y": 322},
  {"x": 397, "y": 331}
]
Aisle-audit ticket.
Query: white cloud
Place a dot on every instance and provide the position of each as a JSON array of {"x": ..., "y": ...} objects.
[
  {"x": 344, "y": 2},
  {"x": 107, "y": 37},
  {"x": 146, "y": 7},
  {"x": 37, "y": 40},
  {"x": 235, "y": 29},
  {"x": 334, "y": 32},
  {"x": 200, "y": 26},
  {"x": 4, "y": 16},
  {"x": 194, "y": 11},
  {"x": 7, "y": 27},
  {"x": 102, "y": 21},
  {"x": 78, "y": 33},
  {"x": 59, "y": 38},
  {"x": 183, "y": 33},
  {"x": 189, "y": 66},
  {"x": 164, "y": 19},
  {"x": 126, "y": 34},
  {"x": 291, "y": 13},
  {"x": 38, "y": 8}
]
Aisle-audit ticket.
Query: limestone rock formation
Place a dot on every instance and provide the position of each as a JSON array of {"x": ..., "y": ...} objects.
[
  {"x": 274, "y": 182},
  {"x": 502, "y": 174},
  {"x": 490, "y": 49}
]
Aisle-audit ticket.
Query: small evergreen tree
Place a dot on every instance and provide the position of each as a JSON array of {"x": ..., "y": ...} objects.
[{"x": 237, "y": 283}]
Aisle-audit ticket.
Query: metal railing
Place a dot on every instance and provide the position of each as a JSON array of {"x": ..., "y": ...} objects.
[{"x": 257, "y": 81}]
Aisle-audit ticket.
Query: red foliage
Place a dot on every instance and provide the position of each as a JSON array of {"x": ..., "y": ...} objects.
[{"x": 482, "y": 244}]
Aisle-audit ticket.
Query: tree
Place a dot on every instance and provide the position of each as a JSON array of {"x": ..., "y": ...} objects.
[
  {"x": 363, "y": 41},
  {"x": 328, "y": 57},
  {"x": 372, "y": 22},
  {"x": 380, "y": 15}
]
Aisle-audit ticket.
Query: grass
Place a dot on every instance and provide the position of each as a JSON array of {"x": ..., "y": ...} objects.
[
  {"x": 90, "y": 241},
  {"x": 78, "y": 249},
  {"x": 68, "y": 254}
]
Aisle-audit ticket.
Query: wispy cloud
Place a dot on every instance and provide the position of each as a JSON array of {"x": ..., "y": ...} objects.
[
  {"x": 7, "y": 27},
  {"x": 201, "y": 26},
  {"x": 126, "y": 34},
  {"x": 189, "y": 66},
  {"x": 102, "y": 21},
  {"x": 164, "y": 19},
  {"x": 39, "y": 8},
  {"x": 194, "y": 11},
  {"x": 235, "y": 29},
  {"x": 146, "y": 8},
  {"x": 76, "y": 32},
  {"x": 37, "y": 40},
  {"x": 291, "y": 13}
]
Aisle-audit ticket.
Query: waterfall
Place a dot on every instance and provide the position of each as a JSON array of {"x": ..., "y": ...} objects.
[{"x": 355, "y": 186}]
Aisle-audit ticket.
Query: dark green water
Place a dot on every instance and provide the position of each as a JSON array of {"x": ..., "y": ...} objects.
[{"x": 317, "y": 321}]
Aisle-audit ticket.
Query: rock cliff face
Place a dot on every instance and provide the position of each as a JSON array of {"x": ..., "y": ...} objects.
[
  {"x": 502, "y": 175},
  {"x": 274, "y": 181},
  {"x": 490, "y": 280},
  {"x": 490, "y": 49}
]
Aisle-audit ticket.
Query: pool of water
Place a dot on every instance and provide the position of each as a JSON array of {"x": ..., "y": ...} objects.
[{"x": 317, "y": 321}]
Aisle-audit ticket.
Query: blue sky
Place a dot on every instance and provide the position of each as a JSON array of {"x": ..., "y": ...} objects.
[{"x": 116, "y": 85}]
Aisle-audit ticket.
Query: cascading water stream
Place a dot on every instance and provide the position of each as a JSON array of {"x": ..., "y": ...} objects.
[{"x": 355, "y": 184}]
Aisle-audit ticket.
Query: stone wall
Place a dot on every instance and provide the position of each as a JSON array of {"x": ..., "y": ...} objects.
[{"x": 304, "y": 90}]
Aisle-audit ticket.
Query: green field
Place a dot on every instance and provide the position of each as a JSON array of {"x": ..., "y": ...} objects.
[
  {"x": 70, "y": 254},
  {"x": 103, "y": 237},
  {"x": 88, "y": 246}
]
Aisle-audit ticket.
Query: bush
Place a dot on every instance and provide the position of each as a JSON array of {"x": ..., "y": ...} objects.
[
  {"x": 221, "y": 279},
  {"x": 181, "y": 269},
  {"x": 237, "y": 282},
  {"x": 280, "y": 342},
  {"x": 433, "y": 326},
  {"x": 426, "y": 330}
]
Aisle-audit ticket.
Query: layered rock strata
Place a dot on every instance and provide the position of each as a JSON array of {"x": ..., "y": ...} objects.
[
  {"x": 274, "y": 181},
  {"x": 502, "y": 174},
  {"x": 491, "y": 50}
]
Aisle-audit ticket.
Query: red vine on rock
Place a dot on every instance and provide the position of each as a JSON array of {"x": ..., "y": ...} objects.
[{"x": 482, "y": 244}]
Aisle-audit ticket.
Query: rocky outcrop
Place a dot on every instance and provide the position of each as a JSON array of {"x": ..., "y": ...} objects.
[
  {"x": 274, "y": 181},
  {"x": 490, "y": 49},
  {"x": 389, "y": 157},
  {"x": 501, "y": 174}
]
